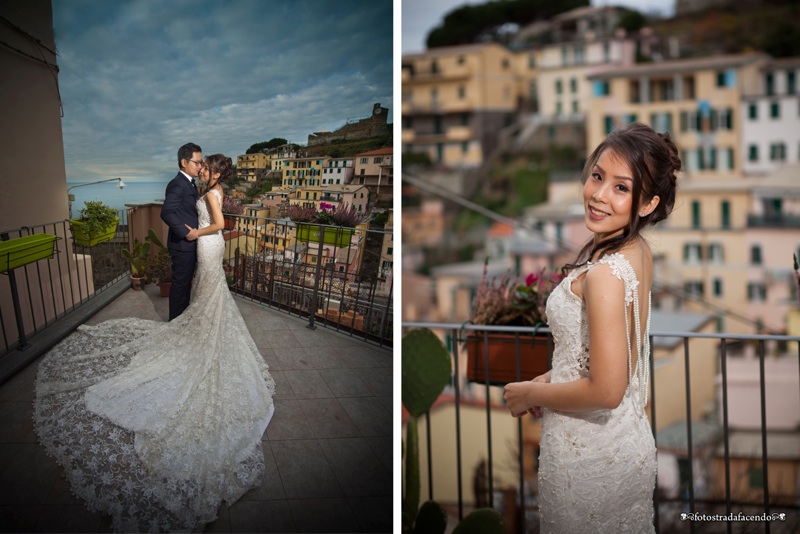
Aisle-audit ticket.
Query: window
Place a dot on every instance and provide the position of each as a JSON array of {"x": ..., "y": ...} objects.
[
  {"x": 377, "y": 160},
  {"x": 389, "y": 250},
  {"x": 558, "y": 87},
  {"x": 756, "y": 292},
  {"x": 726, "y": 78},
  {"x": 505, "y": 63},
  {"x": 608, "y": 122},
  {"x": 579, "y": 55},
  {"x": 695, "y": 214},
  {"x": 692, "y": 253},
  {"x": 755, "y": 255},
  {"x": 461, "y": 91},
  {"x": 364, "y": 161},
  {"x": 775, "y": 110},
  {"x": 770, "y": 81},
  {"x": 574, "y": 106},
  {"x": 725, "y": 208},
  {"x": 464, "y": 147},
  {"x": 531, "y": 61},
  {"x": 752, "y": 153},
  {"x": 777, "y": 152},
  {"x": 717, "y": 287},
  {"x": 715, "y": 253},
  {"x": 694, "y": 288},
  {"x": 599, "y": 88},
  {"x": 558, "y": 108},
  {"x": 573, "y": 85},
  {"x": 464, "y": 119}
]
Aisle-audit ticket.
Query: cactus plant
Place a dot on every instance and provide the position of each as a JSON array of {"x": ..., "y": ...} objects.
[{"x": 426, "y": 371}]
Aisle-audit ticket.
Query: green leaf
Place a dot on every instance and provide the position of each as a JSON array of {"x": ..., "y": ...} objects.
[
  {"x": 481, "y": 521},
  {"x": 426, "y": 369}
]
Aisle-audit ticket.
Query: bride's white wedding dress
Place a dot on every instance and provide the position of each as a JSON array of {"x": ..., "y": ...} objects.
[
  {"x": 158, "y": 423},
  {"x": 596, "y": 469}
]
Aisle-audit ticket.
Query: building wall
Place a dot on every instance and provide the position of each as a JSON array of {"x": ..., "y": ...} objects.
[
  {"x": 774, "y": 139},
  {"x": 248, "y": 165},
  {"x": 455, "y": 99}
]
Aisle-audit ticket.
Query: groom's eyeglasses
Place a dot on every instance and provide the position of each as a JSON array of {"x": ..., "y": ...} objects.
[{"x": 200, "y": 163}]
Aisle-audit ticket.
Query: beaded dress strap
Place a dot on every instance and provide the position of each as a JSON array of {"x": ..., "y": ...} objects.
[{"x": 622, "y": 269}]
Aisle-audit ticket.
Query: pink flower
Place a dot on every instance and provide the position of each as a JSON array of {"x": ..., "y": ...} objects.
[{"x": 531, "y": 279}]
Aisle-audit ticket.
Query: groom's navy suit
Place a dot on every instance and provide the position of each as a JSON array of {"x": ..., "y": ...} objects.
[{"x": 180, "y": 209}]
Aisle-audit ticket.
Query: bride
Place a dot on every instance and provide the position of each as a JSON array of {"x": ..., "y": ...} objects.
[{"x": 158, "y": 423}]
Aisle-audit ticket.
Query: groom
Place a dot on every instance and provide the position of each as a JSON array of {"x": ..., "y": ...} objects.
[{"x": 179, "y": 210}]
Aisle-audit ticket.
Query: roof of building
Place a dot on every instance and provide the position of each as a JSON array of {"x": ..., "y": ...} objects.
[
  {"x": 717, "y": 63},
  {"x": 557, "y": 211},
  {"x": 387, "y": 150},
  {"x": 450, "y": 50},
  {"x": 747, "y": 444},
  {"x": 669, "y": 321},
  {"x": 673, "y": 438},
  {"x": 785, "y": 181}
]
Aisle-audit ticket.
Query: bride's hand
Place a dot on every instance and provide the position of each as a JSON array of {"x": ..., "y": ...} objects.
[
  {"x": 193, "y": 233},
  {"x": 536, "y": 411},
  {"x": 516, "y": 397}
]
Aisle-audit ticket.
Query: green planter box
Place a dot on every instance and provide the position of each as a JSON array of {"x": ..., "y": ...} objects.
[
  {"x": 332, "y": 236},
  {"x": 82, "y": 238},
  {"x": 23, "y": 250}
]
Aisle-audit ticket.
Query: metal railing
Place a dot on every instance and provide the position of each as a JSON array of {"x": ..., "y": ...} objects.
[
  {"x": 774, "y": 512},
  {"x": 36, "y": 294},
  {"x": 343, "y": 284}
]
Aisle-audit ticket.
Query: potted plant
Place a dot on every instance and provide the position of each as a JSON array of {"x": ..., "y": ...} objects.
[
  {"x": 159, "y": 265},
  {"x": 510, "y": 303},
  {"x": 24, "y": 250},
  {"x": 97, "y": 224},
  {"x": 339, "y": 219},
  {"x": 137, "y": 257},
  {"x": 230, "y": 208}
]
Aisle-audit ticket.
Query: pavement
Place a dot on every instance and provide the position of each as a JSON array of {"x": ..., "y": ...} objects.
[{"x": 328, "y": 449}]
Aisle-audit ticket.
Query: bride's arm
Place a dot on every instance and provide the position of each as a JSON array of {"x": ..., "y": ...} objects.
[
  {"x": 217, "y": 220},
  {"x": 604, "y": 295}
]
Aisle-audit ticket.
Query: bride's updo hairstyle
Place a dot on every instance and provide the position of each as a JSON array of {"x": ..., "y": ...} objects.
[
  {"x": 653, "y": 159},
  {"x": 219, "y": 163}
]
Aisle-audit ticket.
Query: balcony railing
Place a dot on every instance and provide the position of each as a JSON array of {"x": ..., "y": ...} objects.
[
  {"x": 717, "y": 477},
  {"x": 342, "y": 284},
  {"x": 36, "y": 295}
]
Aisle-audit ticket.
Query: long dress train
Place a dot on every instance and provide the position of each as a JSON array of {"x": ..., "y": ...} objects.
[{"x": 158, "y": 423}]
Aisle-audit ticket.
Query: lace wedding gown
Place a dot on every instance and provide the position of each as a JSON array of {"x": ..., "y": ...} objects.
[
  {"x": 596, "y": 469},
  {"x": 157, "y": 423}
]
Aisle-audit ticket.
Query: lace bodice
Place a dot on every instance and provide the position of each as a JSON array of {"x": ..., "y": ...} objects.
[
  {"x": 203, "y": 214},
  {"x": 566, "y": 314},
  {"x": 158, "y": 423},
  {"x": 597, "y": 469}
]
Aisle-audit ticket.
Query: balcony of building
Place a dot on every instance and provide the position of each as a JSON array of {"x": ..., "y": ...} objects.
[
  {"x": 328, "y": 449},
  {"x": 724, "y": 408}
]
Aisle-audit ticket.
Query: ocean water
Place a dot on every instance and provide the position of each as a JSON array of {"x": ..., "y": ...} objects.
[{"x": 109, "y": 193}]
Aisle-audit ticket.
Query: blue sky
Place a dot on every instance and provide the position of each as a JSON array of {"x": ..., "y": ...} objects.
[{"x": 139, "y": 78}]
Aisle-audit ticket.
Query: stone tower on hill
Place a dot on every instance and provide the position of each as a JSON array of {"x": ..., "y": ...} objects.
[{"x": 375, "y": 125}]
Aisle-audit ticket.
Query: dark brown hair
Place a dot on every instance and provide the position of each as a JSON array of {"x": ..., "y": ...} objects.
[
  {"x": 218, "y": 163},
  {"x": 653, "y": 160}
]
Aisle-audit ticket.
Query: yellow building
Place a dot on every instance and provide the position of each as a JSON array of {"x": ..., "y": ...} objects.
[
  {"x": 278, "y": 235},
  {"x": 300, "y": 172},
  {"x": 455, "y": 99},
  {"x": 696, "y": 100},
  {"x": 249, "y": 167}
]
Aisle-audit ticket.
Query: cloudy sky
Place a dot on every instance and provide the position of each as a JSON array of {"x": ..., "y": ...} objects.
[
  {"x": 421, "y": 16},
  {"x": 139, "y": 78}
]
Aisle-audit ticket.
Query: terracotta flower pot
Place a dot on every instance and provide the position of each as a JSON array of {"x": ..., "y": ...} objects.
[{"x": 534, "y": 353}]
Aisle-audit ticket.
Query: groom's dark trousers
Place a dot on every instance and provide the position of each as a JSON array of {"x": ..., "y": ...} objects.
[{"x": 180, "y": 209}]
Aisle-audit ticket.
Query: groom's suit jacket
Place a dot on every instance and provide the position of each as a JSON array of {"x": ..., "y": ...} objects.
[{"x": 180, "y": 209}]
